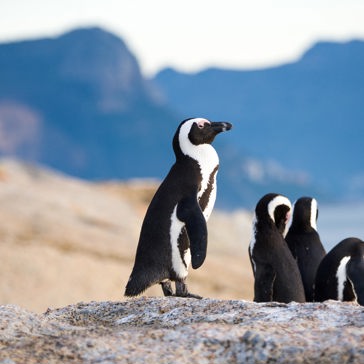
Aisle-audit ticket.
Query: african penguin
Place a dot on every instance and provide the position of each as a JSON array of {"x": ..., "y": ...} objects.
[
  {"x": 304, "y": 242},
  {"x": 276, "y": 274},
  {"x": 340, "y": 273},
  {"x": 174, "y": 231}
]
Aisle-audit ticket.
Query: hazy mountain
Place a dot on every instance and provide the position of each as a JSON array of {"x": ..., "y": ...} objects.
[
  {"x": 79, "y": 103},
  {"x": 308, "y": 115}
]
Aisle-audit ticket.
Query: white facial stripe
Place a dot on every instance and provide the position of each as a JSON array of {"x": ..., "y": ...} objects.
[
  {"x": 289, "y": 222},
  {"x": 194, "y": 151},
  {"x": 341, "y": 277},
  {"x": 279, "y": 200},
  {"x": 313, "y": 216},
  {"x": 175, "y": 231},
  {"x": 186, "y": 127}
]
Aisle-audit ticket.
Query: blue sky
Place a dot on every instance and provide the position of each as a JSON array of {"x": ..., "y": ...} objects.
[{"x": 193, "y": 34}]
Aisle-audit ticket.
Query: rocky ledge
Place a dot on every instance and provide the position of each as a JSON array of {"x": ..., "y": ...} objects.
[{"x": 177, "y": 330}]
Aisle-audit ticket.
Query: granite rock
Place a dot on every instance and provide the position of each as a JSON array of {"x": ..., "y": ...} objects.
[{"x": 178, "y": 330}]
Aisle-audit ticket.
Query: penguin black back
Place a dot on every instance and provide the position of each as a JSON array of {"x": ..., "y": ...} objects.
[
  {"x": 340, "y": 273},
  {"x": 276, "y": 274},
  {"x": 174, "y": 231},
  {"x": 304, "y": 242}
]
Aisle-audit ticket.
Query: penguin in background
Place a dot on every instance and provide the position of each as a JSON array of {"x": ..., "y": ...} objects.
[
  {"x": 276, "y": 274},
  {"x": 304, "y": 242},
  {"x": 341, "y": 272},
  {"x": 174, "y": 232}
]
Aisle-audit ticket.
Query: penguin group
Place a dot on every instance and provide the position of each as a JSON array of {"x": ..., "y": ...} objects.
[{"x": 288, "y": 260}]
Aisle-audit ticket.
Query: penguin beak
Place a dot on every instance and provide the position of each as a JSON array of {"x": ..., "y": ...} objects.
[{"x": 219, "y": 127}]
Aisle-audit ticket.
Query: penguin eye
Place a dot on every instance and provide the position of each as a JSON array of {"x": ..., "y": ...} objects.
[{"x": 200, "y": 125}]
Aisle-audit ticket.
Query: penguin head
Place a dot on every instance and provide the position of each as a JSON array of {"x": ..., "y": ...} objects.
[
  {"x": 274, "y": 209},
  {"x": 194, "y": 132},
  {"x": 305, "y": 213}
]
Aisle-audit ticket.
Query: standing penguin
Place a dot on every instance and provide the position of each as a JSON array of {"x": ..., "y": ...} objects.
[
  {"x": 276, "y": 274},
  {"x": 304, "y": 242},
  {"x": 340, "y": 273},
  {"x": 174, "y": 231}
]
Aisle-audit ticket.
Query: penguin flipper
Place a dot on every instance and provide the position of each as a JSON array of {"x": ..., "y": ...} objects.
[
  {"x": 263, "y": 283},
  {"x": 189, "y": 212}
]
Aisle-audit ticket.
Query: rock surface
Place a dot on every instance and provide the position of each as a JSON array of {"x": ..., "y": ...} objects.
[{"x": 177, "y": 330}]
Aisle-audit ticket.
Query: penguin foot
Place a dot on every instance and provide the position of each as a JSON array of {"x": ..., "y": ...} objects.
[
  {"x": 182, "y": 291},
  {"x": 191, "y": 295},
  {"x": 167, "y": 288}
]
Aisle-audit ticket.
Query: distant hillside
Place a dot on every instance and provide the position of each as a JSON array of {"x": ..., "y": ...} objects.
[
  {"x": 307, "y": 115},
  {"x": 79, "y": 103}
]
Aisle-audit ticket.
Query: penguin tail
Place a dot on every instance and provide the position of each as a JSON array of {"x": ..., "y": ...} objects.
[{"x": 137, "y": 284}]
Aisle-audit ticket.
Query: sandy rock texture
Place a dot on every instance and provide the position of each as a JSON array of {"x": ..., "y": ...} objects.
[{"x": 178, "y": 330}]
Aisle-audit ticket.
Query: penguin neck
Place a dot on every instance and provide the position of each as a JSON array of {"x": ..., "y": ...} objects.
[
  {"x": 303, "y": 226},
  {"x": 204, "y": 154}
]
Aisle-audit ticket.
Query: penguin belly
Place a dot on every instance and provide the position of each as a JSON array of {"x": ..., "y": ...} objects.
[
  {"x": 207, "y": 197},
  {"x": 181, "y": 254}
]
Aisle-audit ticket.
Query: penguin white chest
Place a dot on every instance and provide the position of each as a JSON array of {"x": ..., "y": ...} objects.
[
  {"x": 208, "y": 173},
  {"x": 207, "y": 159},
  {"x": 180, "y": 263},
  {"x": 341, "y": 277}
]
